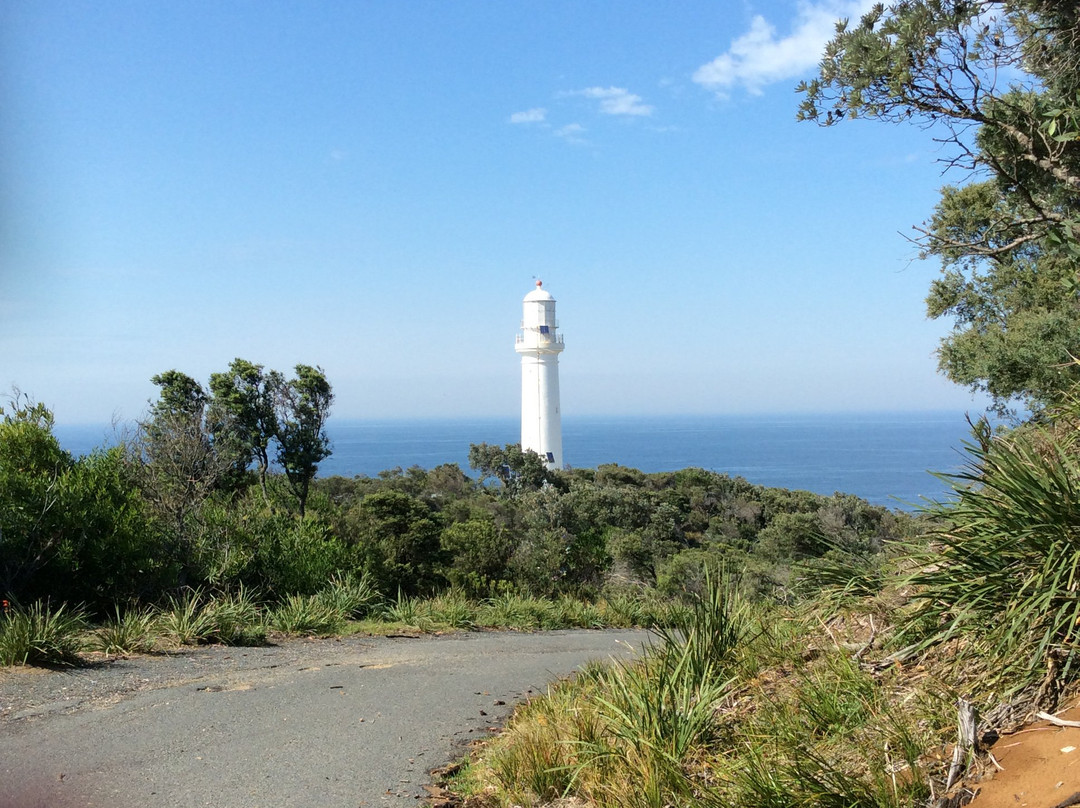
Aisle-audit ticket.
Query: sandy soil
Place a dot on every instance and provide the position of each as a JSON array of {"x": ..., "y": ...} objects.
[{"x": 1040, "y": 768}]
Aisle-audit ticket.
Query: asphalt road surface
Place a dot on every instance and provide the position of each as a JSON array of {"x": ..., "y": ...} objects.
[{"x": 308, "y": 723}]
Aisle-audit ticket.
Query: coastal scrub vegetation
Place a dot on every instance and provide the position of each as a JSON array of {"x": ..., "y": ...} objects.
[
  {"x": 847, "y": 691},
  {"x": 881, "y": 675},
  {"x": 207, "y": 496}
]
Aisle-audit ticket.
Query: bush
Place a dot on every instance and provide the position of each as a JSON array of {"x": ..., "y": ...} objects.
[
  {"x": 128, "y": 632},
  {"x": 41, "y": 635},
  {"x": 297, "y": 557},
  {"x": 1004, "y": 563},
  {"x": 305, "y": 614},
  {"x": 399, "y": 537},
  {"x": 479, "y": 553}
]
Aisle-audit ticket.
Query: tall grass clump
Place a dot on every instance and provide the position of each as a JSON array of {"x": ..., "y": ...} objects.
[
  {"x": 411, "y": 612},
  {"x": 305, "y": 614},
  {"x": 452, "y": 610},
  {"x": 350, "y": 595},
  {"x": 235, "y": 618},
  {"x": 126, "y": 632},
  {"x": 628, "y": 735},
  {"x": 707, "y": 631},
  {"x": 186, "y": 618},
  {"x": 41, "y": 635},
  {"x": 1003, "y": 568}
]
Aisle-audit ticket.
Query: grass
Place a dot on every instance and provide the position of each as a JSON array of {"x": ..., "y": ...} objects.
[
  {"x": 1004, "y": 565},
  {"x": 347, "y": 605},
  {"x": 352, "y": 596},
  {"x": 235, "y": 618},
  {"x": 186, "y": 619},
  {"x": 755, "y": 706},
  {"x": 307, "y": 615},
  {"x": 41, "y": 635},
  {"x": 127, "y": 632}
]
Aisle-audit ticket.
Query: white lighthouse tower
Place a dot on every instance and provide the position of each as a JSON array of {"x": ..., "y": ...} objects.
[{"x": 540, "y": 344}]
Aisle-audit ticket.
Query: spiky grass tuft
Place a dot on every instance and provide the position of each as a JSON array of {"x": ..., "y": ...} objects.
[{"x": 41, "y": 635}]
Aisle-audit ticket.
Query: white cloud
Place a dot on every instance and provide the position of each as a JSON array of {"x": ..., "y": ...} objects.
[
  {"x": 571, "y": 133},
  {"x": 534, "y": 115},
  {"x": 759, "y": 57},
  {"x": 616, "y": 101}
]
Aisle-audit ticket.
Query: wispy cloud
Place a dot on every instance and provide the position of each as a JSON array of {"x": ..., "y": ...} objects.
[
  {"x": 571, "y": 133},
  {"x": 534, "y": 115},
  {"x": 759, "y": 57},
  {"x": 616, "y": 100}
]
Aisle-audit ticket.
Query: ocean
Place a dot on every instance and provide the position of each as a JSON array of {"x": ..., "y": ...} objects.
[{"x": 885, "y": 458}]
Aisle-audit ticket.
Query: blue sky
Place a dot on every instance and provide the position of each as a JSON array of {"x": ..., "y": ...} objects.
[{"x": 373, "y": 186}]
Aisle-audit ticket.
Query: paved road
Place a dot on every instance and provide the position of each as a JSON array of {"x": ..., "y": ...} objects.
[{"x": 354, "y": 722}]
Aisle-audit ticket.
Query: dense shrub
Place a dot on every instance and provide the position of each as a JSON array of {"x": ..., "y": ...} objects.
[
  {"x": 296, "y": 557},
  {"x": 70, "y": 530},
  {"x": 479, "y": 554},
  {"x": 398, "y": 536}
]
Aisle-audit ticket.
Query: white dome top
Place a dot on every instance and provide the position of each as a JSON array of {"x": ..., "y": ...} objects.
[{"x": 538, "y": 293}]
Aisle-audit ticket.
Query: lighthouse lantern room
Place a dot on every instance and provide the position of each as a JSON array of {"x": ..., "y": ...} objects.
[{"x": 539, "y": 345}]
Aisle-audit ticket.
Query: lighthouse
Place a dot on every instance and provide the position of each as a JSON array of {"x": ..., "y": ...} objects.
[{"x": 540, "y": 344}]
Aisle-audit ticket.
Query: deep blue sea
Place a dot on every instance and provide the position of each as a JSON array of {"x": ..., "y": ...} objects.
[{"x": 884, "y": 457}]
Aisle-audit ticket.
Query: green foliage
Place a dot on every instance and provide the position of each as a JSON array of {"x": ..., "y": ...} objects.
[
  {"x": 1005, "y": 561},
  {"x": 479, "y": 553},
  {"x": 518, "y": 471},
  {"x": 410, "y": 612},
  {"x": 72, "y": 530},
  {"x": 1017, "y": 317},
  {"x": 126, "y": 632},
  {"x": 235, "y": 618},
  {"x": 193, "y": 618},
  {"x": 186, "y": 619},
  {"x": 177, "y": 465},
  {"x": 399, "y": 537},
  {"x": 41, "y": 635},
  {"x": 631, "y": 734},
  {"x": 31, "y": 514},
  {"x": 350, "y": 595},
  {"x": 301, "y": 408},
  {"x": 831, "y": 738},
  {"x": 658, "y": 715},
  {"x": 242, "y": 412},
  {"x": 306, "y": 614},
  {"x": 451, "y": 609},
  {"x": 703, "y": 638},
  {"x": 295, "y": 556},
  {"x": 998, "y": 81}
]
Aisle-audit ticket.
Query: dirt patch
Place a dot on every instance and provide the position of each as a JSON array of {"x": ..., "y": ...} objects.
[{"x": 1040, "y": 767}]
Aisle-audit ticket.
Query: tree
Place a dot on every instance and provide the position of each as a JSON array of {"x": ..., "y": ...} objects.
[
  {"x": 301, "y": 407},
  {"x": 517, "y": 470},
  {"x": 242, "y": 411},
  {"x": 177, "y": 463},
  {"x": 997, "y": 81},
  {"x": 31, "y": 513}
]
